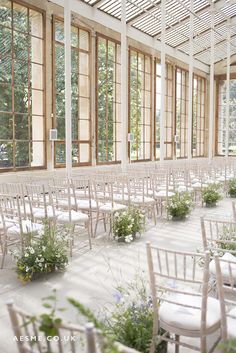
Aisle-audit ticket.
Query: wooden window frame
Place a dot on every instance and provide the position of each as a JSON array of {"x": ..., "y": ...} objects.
[
  {"x": 219, "y": 78},
  {"x": 13, "y": 113},
  {"x": 204, "y": 92},
  {"x": 115, "y": 143},
  {"x": 139, "y": 52},
  {"x": 78, "y": 141}
]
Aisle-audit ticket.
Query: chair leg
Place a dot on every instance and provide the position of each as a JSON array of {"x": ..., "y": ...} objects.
[
  {"x": 177, "y": 344},
  {"x": 3, "y": 256}
]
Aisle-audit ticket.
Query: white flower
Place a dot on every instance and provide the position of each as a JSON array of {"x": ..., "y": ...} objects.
[
  {"x": 43, "y": 248},
  {"x": 40, "y": 265},
  {"x": 27, "y": 269},
  {"x": 32, "y": 251},
  {"x": 26, "y": 254}
]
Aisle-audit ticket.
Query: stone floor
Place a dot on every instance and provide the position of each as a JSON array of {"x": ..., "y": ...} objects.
[{"x": 92, "y": 277}]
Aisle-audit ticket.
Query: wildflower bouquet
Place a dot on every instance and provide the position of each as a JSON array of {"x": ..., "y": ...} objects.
[
  {"x": 127, "y": 224},
  {"x": 180, "y": 205},
  {"x": 211, "y": 195},
  {"x": 232, "y": 188},
  {"x": 45, "y": 254}
]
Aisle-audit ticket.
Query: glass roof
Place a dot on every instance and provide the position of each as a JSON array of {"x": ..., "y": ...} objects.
[{"x": 145, "y": 15}]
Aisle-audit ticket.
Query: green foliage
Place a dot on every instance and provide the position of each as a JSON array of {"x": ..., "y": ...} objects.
[
  {"x": 45, "y": 254},
  {"x": 228, "y": 347},
  {"x": 180, "y": 205},
  {"x": 232, "y": 188},
  {"x": 211, "y": 195},
  {"x": 127, "y": 223}
]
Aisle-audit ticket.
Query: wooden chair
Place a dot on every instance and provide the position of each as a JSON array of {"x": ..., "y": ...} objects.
[
  {"x": 226, "y": 271},
  {"x": 180, "y": 298},
  {"x": 86, "y": 338}
]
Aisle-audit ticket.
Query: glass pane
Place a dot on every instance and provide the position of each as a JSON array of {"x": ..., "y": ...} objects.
[
  {"x": 5, "y": 41},
  {"x": 84, "y": 108},
  {"x": 74, "y": 127},
  {"x": 5, "y": 98},
  {"x": 37, "y": 76},
  {"x": 61, "y": 128},
  {"x": 6, "y": 126},
  {"x": 83, "y": 63},
  {"x": 37, "y": 154},
  {"x": 37, "y": 102},
  {"x": 59, "y": 32},
  {"x": 60, "y": 153},
  {"x": 84, "y": 133},
  {"x": 21, "y": 99},
  {"x": 37, "y": 126},
  {"x": 36, "y": 50},
  {"x": 21, "y": 127},
  {"x": 84, "y": 86},
  {"x": 5, "y": 70},
  {"x": 5, "y": 13},
  {"x": 6, "y": 154},
  {"x": 83, "y": 40},
  {"x": 36, "y": 23},
  {"x": 21, "y": 73},
  {"x": 74, "y": 37},
  {"x": 75, "y": 151},
  {"x": 21, "y": 45},
  {"x": 20, "y": 18},
  {"x": 84, "y": 153},
  {"x": 22, "y": 154}
]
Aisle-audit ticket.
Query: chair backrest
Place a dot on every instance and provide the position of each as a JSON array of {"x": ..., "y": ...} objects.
[
  {"x": 174, "y": 273},
  {"x": 218, "y": 235},
  {"x": 69, "y": 338},
  {"x": 226, "y": 287}
]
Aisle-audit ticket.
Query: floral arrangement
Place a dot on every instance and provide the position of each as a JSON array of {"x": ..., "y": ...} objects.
[
  {"x": 127, "y": 224},
  {"x": 211, "y": 194},
  {"x": 44, "y": 254},
  {"x": 130, "y": 321},
  {"x": 180, "y": 205},
  {"x": 232, "y": 188}
]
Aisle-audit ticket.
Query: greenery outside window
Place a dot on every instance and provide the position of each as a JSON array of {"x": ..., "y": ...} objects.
[{"x": 22, "y": 93}]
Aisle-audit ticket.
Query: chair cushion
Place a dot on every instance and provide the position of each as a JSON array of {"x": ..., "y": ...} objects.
[
  {"x": 162, "y": 193},
  {"x": 185, "y": 318},
  {"x": 107, "y": 207},
  {"x": 224, "y": 267},
  {"x": 85, "y": 205},
  {"x": 231, "y": 323},
  {"x": 120, "y": 197},
  {"x": 76, "y": 217},
  {"x": 27, "y": 227},
  {"x": 141, "y": 199},
  {"x": 41, "y": 214}
]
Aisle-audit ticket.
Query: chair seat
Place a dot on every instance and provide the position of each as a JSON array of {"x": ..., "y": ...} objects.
[
  {"x": 27, "y": 210},
  {"x": 108, "y": 207},
  {"x": 140, "y": 199},
  {"x": 85, "y": 204},
  {"x": 120, "y": 197},
  {"x": 224, "y": 267},
  {"x": 41, "y": 214},
  {"x": 188, "y": 319},
  {"x": 27, "y": 227},
  {"x": 65, "y": 203},
  {"x": 76, "y": 217},
  {"x": 163, "y": 193},
  {"x": 231, "y": 323}
]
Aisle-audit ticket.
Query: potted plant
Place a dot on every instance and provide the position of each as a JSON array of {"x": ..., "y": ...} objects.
[
  {"x": 232, "y": 188},
  {"x": 42, "y": 255},
  {"x": 127, "y": 224},
  {"x": 210, "y": 195},
  {"x": 179, "y": 206}
]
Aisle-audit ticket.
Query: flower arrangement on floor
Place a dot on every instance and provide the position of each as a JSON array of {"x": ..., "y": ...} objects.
[
  {"x": 180, "y": 205},
  {"x": 127, "y": 224},
  {"x": 210, "y": 195},
  {"x": 130, "y": 321},
  {"x": 232, "y": 188},
  {"x": 45, "y": 254}
]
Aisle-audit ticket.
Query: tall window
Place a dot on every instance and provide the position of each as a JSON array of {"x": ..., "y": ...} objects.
[
  {"x": 221, "y": 119},
  {"x": 108, "y": 101},
  {"x": 182, "y": 87},
  {"x": 22, "y": 113},
  {"x": 80, "y": 81},
  {"x": 169, "y": 117},
  {"x": 140, "y": 105},
  {"x": 199, "y": 116}
]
